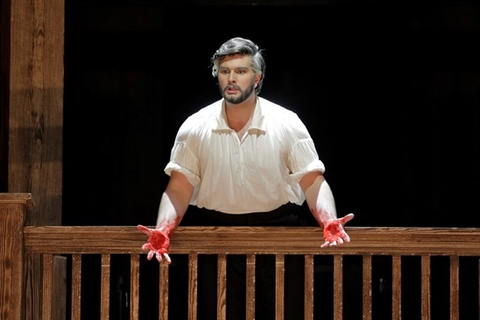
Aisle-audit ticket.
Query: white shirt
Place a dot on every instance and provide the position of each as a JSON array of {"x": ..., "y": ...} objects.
[{"x": 257, "y": 173}]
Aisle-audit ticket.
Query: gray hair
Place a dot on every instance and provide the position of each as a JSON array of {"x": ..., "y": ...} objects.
[{"x": 244, "y": 47}]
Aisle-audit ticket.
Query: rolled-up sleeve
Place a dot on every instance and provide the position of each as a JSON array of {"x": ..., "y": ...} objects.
[
  {"x": 304, "y": 159},
  {"x": 185, "y": 162}
]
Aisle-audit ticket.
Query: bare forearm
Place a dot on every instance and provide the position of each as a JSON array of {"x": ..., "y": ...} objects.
[
  {"x": 169, "y": 215},
  {"x": 174, "y": 203},
  {"x": 320, "y": 200},
  {"x": 322, "y": 204}
]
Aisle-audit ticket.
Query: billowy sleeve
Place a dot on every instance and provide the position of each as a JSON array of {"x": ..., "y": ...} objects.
[{"x": 182, "y": 158}]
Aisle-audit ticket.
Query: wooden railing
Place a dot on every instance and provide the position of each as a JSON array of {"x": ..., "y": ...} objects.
[{"x": 384, "y": 273}]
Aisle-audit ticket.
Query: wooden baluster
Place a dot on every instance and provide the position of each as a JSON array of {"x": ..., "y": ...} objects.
[
  {"x": 76, "y": 286},
  {"x": 105, "y": 288},
  {"x": 396, "y": 287},
  {"x": 425, "y": 287},
  {"x": 280, "y": 286},
  {"x": 192, "y": 285},
  {"x": 47, "y": 287},
  {"x": 222, "y": 287},
  {"x": 338, "y": 287},
  {"x": 454, "y": 287},
  {"x": 309, "y": 287},
  {"x": 163, "y": 294},
  {"x": 367, "y": 287},
  {"x": 134, "y": 285},
  {"x": 250, "y": 287}
]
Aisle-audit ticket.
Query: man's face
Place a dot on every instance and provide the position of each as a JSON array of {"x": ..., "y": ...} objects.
[{"x": 236, "y": 79}]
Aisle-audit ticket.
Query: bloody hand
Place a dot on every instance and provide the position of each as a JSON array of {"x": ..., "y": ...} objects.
[
  {"x": 334, "y": 233},
  {"x": 158, "y": 243}
]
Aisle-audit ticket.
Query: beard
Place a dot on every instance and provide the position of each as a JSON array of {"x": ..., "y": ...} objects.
[{"x": 244, "y": 94}]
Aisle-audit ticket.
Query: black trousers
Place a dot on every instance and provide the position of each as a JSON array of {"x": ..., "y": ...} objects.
[{"x": 286, "y": 215}]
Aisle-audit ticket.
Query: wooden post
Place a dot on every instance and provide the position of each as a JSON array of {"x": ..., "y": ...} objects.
[{"x": 13, "y": 210}]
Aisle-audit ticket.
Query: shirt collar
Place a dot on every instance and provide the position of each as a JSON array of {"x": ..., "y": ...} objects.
[{"x": 257, "y": 119}]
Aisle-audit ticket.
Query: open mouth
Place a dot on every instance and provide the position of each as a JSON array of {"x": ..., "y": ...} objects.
[{"x": 232, "y": 89}]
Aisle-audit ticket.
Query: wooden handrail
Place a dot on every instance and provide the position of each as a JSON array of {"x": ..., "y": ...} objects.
[{"x": 257, "y": 240}]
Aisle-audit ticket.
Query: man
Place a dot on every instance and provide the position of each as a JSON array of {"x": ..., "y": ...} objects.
[{"x": 244, "y": 160}]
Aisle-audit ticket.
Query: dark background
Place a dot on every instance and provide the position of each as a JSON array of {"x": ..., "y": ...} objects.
[{"x": 389, "y": 92}]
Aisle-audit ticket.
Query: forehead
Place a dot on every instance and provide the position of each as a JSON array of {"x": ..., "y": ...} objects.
[{"x": 236, "y": 61}]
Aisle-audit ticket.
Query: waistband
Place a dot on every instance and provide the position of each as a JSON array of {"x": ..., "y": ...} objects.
[{"x": 286, "y": 215}]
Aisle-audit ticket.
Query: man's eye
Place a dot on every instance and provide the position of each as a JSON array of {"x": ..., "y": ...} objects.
[
  {"x": 241, "y": 71},
  {"x": 223, "y": 71}
]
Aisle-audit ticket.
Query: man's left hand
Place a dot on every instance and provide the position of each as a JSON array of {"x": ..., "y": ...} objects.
[{"x": 334, "y": 233}]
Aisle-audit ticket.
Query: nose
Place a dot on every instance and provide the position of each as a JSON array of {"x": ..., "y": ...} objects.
[{"x": 232, "y": 78}]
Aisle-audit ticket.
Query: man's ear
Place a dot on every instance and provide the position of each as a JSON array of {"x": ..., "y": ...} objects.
[{"x": 258, "y": 77}]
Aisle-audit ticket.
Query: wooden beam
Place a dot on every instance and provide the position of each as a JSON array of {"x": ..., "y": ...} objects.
[{"x": 35, "y": 105}]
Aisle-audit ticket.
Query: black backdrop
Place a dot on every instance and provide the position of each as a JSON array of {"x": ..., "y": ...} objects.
[{"x": 390, "y": 94}]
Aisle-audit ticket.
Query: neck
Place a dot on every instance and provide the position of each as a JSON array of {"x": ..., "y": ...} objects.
[{"x": 239, "y": 114}]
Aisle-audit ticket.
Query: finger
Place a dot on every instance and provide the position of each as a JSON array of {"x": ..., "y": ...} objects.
[
  {"x": 158, "y": 256},
  {"x": 347, "y": 218},
  {"x": 167, "y": 257},
  {"x": 327, "y": 243},
  {"x": 144, "y": 229},
  {"x": 150, "y": 255},
  {"x": 148, "y": 246}
]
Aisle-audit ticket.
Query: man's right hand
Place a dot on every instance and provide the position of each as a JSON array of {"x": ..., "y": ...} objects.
[{"x": 158, "y": 243}]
